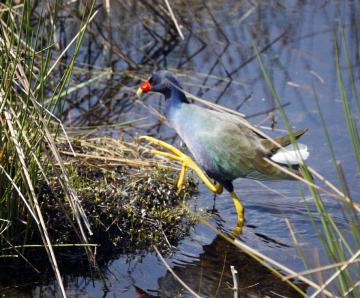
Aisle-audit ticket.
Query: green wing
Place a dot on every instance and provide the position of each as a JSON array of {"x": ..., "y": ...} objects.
[{"x": 234, "y": 149}]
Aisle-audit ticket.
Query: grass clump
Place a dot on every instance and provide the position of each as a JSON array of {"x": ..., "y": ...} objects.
[
  {"x": 41, "y": 176},
  {"x": 26, "y": 66},
  {"x": 129, "y": 200}
]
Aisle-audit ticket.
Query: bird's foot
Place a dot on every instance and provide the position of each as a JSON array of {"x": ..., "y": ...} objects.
[
  {"x": 237, "y": 231},
  {"x": 186, "y": 162},
  {"x": 218, "y": 188}
]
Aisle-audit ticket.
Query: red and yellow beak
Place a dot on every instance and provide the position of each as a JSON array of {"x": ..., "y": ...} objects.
[{"x": 145, "y": 87}]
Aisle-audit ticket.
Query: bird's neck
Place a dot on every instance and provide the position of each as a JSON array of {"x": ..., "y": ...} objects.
[{"x": 174, "y": 98}]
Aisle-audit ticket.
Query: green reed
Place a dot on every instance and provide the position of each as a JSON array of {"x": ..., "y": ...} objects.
[
  {"x": 27, "y": 62},
  {"x": 335, "y": 244}
]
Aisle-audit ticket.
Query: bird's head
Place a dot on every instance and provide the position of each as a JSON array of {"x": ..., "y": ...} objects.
[{"x": 163, "y": 82}]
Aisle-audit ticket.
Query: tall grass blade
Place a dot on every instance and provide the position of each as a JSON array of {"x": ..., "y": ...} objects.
[{"x": 350, "y": 122}]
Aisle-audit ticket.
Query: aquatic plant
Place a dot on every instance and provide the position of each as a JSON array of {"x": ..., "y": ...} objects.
[{"x": 27, "y": 66}]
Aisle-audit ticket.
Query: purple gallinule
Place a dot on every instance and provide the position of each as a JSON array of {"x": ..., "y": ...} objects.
[{"x": 221, "y": 143}]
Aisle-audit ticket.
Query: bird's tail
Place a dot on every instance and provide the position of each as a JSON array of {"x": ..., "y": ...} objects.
[{"x": 290, "y": 155}]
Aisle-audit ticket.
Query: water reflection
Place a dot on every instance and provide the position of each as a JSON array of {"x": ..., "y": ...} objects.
[{"x": 209, "y": 275}]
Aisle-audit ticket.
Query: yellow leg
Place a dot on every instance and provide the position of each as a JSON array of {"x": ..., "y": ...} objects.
[
  {"x": 186, "y": 161},
  {"x": 240, "y": 214}
]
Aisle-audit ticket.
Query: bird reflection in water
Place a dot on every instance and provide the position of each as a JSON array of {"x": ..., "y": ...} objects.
[{"x": 209, "y": 275}]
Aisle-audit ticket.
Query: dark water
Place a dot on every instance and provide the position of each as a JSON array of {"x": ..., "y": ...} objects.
[{"x": 216, "y": 62}]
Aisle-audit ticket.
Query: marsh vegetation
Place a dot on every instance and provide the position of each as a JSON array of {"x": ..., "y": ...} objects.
[{"x": 86, "y": 210}]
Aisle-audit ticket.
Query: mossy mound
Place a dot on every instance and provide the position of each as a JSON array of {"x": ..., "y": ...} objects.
[
  {"x": 127, "y": 211},
  {"x": 128, "y": 197},
  {"x": 130, "y": 203}
]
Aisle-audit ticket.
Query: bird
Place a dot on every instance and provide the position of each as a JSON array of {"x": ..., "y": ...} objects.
[{"x": 224, "y": 146}]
